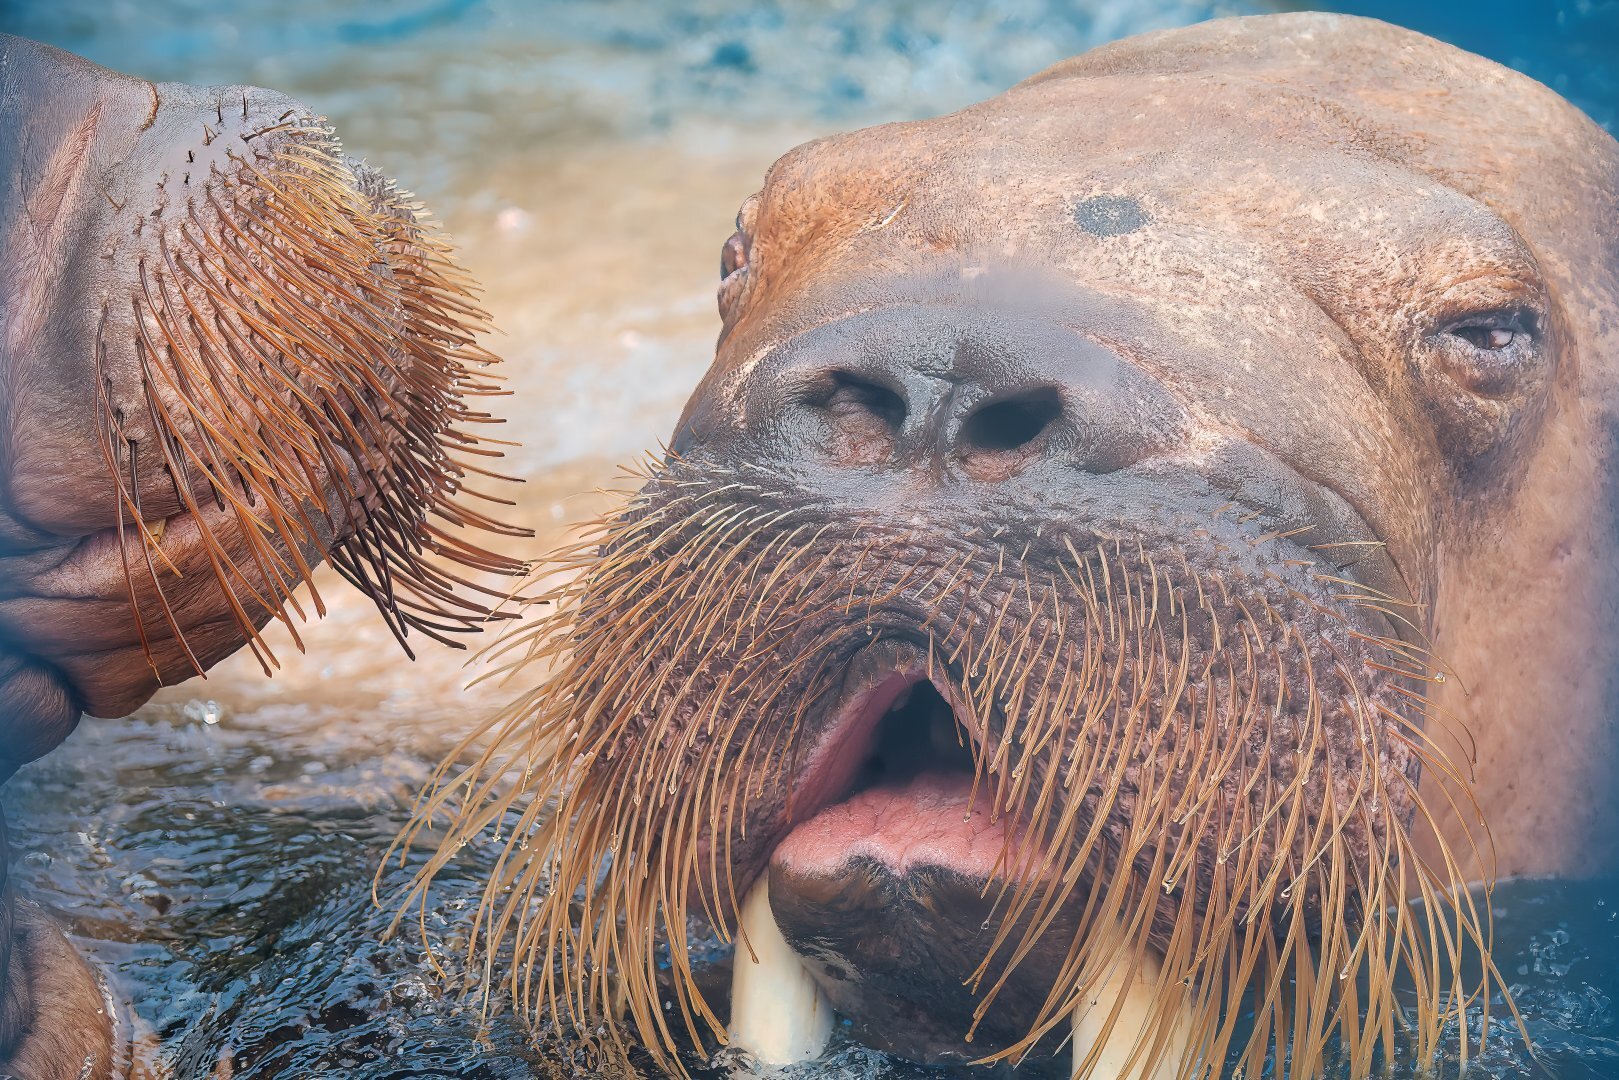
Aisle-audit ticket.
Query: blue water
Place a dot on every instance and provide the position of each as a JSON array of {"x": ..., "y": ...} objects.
[
  {"x": 1570, "y": 45},
  {"x": 220, "y": 873}
]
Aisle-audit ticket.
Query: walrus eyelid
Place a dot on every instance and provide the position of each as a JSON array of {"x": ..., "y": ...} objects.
[
  {"x": 1494, "y": 354},
  {"x": 733, "y": 271},
  {"x": 1495, "y": 331}
]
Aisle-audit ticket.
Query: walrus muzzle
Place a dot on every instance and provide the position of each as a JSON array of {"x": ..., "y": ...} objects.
[
  {"x": 229, "y": 353},
  {"x": 980, "y": 766},
  {"x": 1131, "y": 535}
]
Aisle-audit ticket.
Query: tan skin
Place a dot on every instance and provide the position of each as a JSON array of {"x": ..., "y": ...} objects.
[
  {"x": 1380, "y": 265},
  {"x": 1306, "y": 313},
  {"x": 1391, "y": 264},
  {"x": 213, "y": 377},
  {"x": 1321, "y": 198}
]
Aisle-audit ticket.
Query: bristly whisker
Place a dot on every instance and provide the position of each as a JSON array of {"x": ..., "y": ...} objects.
[{"x": 1224, "y": 765}]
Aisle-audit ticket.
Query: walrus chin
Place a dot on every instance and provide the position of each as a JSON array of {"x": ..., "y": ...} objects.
[
  {"x": 980, "y": 780},
  {"x": 228, "y": 352}
]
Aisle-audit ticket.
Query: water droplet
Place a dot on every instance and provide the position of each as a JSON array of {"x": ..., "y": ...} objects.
[{"x": 207, "y": 712}]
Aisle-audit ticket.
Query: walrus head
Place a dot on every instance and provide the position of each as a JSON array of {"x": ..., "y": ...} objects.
[
  {"x": 1066, "y": 568},
  {"x": 227, "y": 352}
]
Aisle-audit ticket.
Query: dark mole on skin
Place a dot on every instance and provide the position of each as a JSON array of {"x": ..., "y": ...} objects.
[{"x": 1110, "y": 215}]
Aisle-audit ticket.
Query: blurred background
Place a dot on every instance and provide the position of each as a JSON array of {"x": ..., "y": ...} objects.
[{"x": 215, "y": 852}]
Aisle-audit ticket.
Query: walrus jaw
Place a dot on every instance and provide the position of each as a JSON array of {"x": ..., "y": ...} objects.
[{"x": 983, "y": 778}]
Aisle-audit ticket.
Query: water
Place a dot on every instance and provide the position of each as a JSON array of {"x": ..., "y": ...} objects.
[{"x": 214, "y": 854}]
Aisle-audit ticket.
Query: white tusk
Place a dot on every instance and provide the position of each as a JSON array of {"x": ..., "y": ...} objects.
[
  {"x": 778, "y": 1013},
  {"x": 1103, "y": 1053}
]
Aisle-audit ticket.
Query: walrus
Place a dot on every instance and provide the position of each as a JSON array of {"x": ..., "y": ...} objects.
[
  {"x": 228, "y": 353},
  {"x": 1142, "y": 550}
]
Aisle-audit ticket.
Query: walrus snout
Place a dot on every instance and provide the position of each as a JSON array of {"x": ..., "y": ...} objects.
[
  {"x": 972, "y": 401},
  {"x": 231, "y": 352},
  {"x": 950, "y": 390},
  {"x": 1123, "y": 545}
]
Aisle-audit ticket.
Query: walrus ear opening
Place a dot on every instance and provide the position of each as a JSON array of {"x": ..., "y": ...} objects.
[{"x": 733, "y": 274}]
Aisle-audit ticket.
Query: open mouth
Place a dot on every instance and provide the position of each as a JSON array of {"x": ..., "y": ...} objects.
[
  {"x": 882, "y": 900},
  {"x": 885, "y": 887},
  {"x": 1090, "y": 800}
]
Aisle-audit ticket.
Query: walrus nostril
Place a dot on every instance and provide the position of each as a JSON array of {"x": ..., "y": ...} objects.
[
  {"x": 1011, "y": 423},
  {"x": 862, "y": 418},
  {"x": 847, "y": 396}
]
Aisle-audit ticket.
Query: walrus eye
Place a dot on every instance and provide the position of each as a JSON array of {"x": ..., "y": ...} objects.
[
  {"x": 733, "y": 272},
  {"x": 1492, "y": 355},
  {"x": 1480, "y": 372},
  {"x": 1492, "y": 338}
]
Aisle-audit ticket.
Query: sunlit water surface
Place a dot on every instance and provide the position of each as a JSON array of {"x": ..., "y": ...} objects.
[{"x": 214, "y": 854}]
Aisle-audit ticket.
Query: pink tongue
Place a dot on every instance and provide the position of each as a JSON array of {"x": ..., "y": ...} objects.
[{"x": 922, "y": 822}]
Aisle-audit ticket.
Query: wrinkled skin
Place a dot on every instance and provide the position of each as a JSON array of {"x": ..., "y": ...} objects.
[
  {"x": 163, "y": 358},
  {"x": 1274, "y": 221},
  {"x": 1325, "y": 259},
  {"x": 1310, "y": 306},
  {"x": 1346, "y": 275}
]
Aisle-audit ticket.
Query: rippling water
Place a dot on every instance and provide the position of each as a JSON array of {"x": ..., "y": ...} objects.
[{"x": 214, "y": 853}]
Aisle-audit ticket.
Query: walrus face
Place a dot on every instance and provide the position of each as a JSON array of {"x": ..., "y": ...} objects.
[
  {"x": 228, "y": 352},
  {"x": 1038, "y": 586}
]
